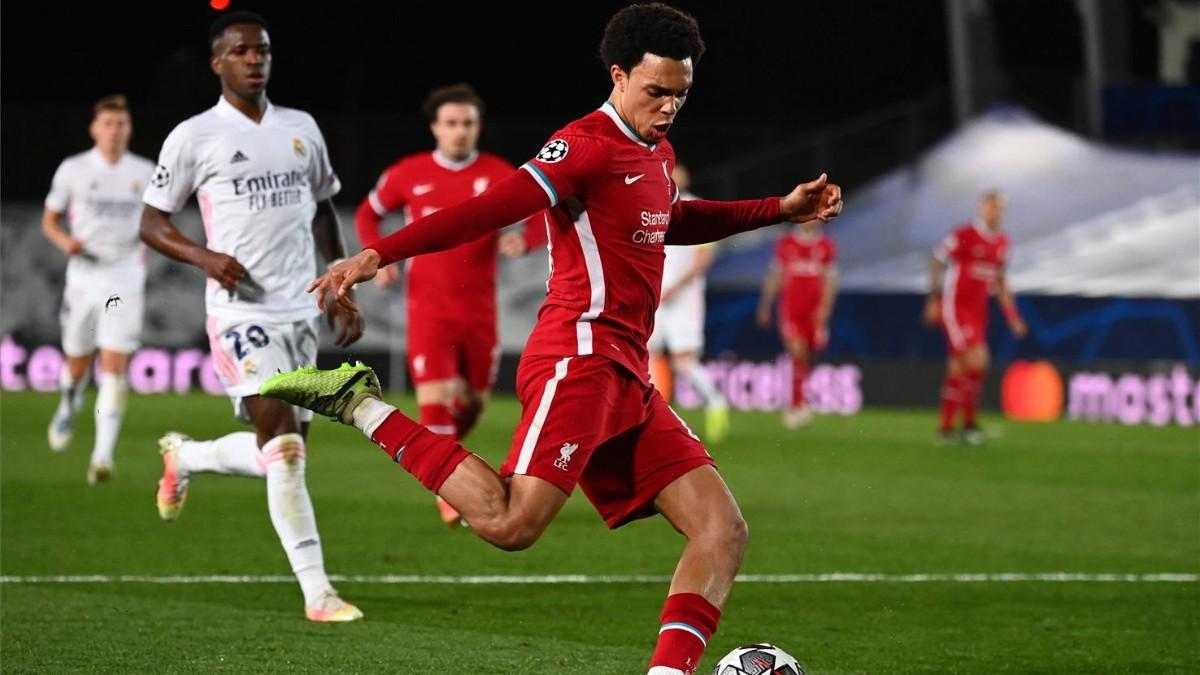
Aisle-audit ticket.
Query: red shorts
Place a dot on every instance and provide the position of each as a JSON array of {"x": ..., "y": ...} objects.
[
  {"x": 444, "y": 350},
  {"x": 802, "y": 326},
  {"x": 964, "y": 328},
  {"x": 586, "y": 420}
]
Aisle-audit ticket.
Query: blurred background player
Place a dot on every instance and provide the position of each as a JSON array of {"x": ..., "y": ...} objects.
[
  {"x": 453, "y": 348},
  {"x": 803, "y": 274},
  {"x": 103, "y": 299},
  {"x": 262, "y": 176},
  {"x": 679, "y": 321},
  {"x": 966, "y": 269}
]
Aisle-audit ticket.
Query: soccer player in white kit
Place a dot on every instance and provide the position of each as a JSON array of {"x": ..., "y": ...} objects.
[
  {"x": 99, "y": 191},
  {"x": 262, "y": 177},
  {"x": 679, "y": 321}
]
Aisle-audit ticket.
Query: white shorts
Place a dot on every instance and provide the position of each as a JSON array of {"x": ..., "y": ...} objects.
[
  {"x": 247, "y": 353},
  {"x": 679, "y": 325},
  {"x": 92, "y": 316}
]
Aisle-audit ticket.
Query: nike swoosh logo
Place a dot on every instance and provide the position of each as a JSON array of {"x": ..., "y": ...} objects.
[
  {"x": 630, "y": 180},
  {"x": 422, "y": 189}
]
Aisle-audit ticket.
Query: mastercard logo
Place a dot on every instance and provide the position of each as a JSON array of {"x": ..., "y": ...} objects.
[{"x": 1032, "y": 391}]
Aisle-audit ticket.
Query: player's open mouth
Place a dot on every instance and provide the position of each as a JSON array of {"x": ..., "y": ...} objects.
[{"x": 661, "y": 129}]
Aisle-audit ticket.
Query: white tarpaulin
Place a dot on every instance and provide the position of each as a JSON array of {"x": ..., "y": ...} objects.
[{"x": 1083, "y": 218}]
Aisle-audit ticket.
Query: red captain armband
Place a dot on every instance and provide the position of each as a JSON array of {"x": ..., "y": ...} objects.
[{"x": 1010, "y": 311}]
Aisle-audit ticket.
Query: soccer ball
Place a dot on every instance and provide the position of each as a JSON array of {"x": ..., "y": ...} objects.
[{"x": 762, "y": 659}]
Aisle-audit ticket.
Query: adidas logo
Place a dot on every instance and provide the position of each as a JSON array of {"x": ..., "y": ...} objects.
[{"x": 239, "y": 157}]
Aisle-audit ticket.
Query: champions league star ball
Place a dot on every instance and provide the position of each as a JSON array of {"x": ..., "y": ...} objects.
[{"x": 761, "y": 659}]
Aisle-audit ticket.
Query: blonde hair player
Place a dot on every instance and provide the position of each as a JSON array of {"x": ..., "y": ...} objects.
[{"x": 99, "y": 193}]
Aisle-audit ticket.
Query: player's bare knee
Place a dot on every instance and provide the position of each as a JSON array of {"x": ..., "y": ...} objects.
[
  {"x": 728, "y": 534},
  {"x": 509, "y": 534},
  {"x": 737, "y": 536}
]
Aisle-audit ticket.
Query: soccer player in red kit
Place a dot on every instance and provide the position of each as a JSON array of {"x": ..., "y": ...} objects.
[
  {"x": 589, "y": 413},
  {"x": 804, "y": 276},
  {"x": 967, "y": 268},
  {"x": 453, "y": 350}
]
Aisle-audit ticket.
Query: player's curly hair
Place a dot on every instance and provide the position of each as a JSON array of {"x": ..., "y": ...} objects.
[
  {"x": 653, "y": 27},
  {"x": 454, "y": 93}
]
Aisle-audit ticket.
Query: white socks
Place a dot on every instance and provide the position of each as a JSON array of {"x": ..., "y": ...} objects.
[
  {"x": 233, "y": 454},
  {"x": 110, "y": 410},
  {"x": 72, "y": 393},
  {"x": 370, "y": 413},
  {"x": 698, "y": 376},
  {"x": 292, "y": 513}
]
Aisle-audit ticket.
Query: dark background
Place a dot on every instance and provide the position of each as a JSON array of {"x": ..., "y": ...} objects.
[{"x": 773, "y": 71}]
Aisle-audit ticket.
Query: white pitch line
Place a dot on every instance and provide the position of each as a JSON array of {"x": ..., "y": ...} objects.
[{"x": 831, "y": 577}]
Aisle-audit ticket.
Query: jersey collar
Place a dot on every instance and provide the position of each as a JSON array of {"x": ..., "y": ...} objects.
[
  {"x": 611, "y": 111},
  {"x": 226, "y": 111},
  {"x": 99, "y": 160},
  {"x": 983, "y": 230},
  {"x": 451, "y": 165}
]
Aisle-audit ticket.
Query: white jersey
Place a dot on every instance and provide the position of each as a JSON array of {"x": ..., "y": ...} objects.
[
  {"x": 103, "y": 207},
  {"x": 258, "y": 186},
  {"x": 678, "y": 261}
]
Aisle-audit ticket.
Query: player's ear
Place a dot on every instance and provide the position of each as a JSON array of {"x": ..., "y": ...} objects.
[{"x": 619, "y": 77}]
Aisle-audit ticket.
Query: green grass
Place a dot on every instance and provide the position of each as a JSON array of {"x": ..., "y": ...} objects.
[{"x": 864, "y": 494}]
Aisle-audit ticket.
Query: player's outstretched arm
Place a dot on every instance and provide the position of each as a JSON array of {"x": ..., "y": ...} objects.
[
  {"x": 513, "y": 199},
  {"x": 159, "y": 233},
  {"x": 701, "y": 221}
]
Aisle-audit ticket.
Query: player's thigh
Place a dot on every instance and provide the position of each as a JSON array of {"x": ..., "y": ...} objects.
[
  {"x": 270, "y": 417},
  {"x": 657, "y": 344},
  {"x": 700, "y": 504},
  {"x": 247, "y": 353},
  {"x": 77, "y": 318},
  {"x": 119, "y": 324},
  {"x": 683, "y": 361},
  {"x": 976, "y": 357},
  {"x": 797, "y": 346},
  {"x": 683, "y": 324},
  {"x": 113, "y": 361},
  {"x": 627, "y": 473},
  {"x": 432, "y": 351},
  {"x": 569, "y": 406},
  {"x": 435, "y": 392},
  {"x": 479, "y": 356}
]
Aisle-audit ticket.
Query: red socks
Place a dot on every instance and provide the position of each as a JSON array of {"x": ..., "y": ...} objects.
[
  {"x": 464, "y": 418},
  {"x": 688, "y": 621},
  {"x": 429, "y": 457},
  {"x": 439, "y": 420},
  {"x": 972, "y": 388},
  {"x": 799, "y": 373},
  {"x": 951, "y": 401}
]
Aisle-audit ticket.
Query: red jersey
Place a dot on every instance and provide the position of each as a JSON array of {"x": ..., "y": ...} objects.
[
  {"x": 606, "y": 244},
  {"x": 611, "y": 199},
  {"x": 803, "y": 260},
  {"x": 458, "y": 284},
  {"x": 974, "y": 257}
]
